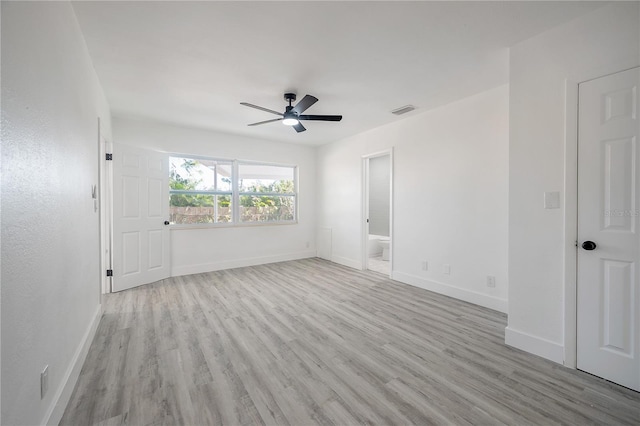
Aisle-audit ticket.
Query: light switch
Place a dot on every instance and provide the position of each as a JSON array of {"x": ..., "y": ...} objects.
[{"x": 552, "y": 200}]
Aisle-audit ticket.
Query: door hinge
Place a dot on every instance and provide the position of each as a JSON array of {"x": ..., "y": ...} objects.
[
  {"x": 109, "y": 157},
  {"x": 109, "y": 272}
]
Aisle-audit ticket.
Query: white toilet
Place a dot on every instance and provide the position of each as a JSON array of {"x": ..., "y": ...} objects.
[{"x": 384, "y": 244}]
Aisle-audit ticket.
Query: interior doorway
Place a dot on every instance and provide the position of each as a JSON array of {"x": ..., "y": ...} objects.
[
  {"x": 378, "y": 208},
  {"x": 608, "y": 284}
]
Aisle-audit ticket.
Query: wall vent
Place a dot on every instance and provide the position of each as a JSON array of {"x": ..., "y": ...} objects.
[{"x": 403, "y": 110}]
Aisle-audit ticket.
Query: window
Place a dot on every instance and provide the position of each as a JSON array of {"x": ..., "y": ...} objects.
[
  {"x": 204, "y": 190},
  {"x": 200, "y": 190},
  {"x": 267, "y": 193}
]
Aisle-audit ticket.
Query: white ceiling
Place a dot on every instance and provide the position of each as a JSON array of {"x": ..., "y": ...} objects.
[{"x": 192, "y": 63}]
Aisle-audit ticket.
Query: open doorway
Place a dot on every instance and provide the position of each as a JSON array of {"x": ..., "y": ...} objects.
[{"x": 377, "y": 245}]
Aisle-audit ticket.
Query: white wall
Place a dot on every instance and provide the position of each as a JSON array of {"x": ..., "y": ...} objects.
[
  {"x": 201, "y": 249},
  {"x": 450, "y": 200},
  {"x": 379, "y": 195},
  {"x": 545, "y": 71},
  {"x": 51, "y": 99}
]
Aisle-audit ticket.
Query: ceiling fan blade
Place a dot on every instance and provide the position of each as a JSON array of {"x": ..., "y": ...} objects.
[
  {"x": 299, "y": 127},
  {"x": 320, "y": 117},
  {"x": 265, "y": 122},
  {"x": 261, "y": 108},
  {"x": 305, "y": 103}
]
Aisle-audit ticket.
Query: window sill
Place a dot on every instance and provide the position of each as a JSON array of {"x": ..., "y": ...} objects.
[{"x": 184, "y": 227}]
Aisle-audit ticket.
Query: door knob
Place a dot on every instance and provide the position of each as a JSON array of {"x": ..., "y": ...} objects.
[
  {"x": 589, "y": 245},
  {"x": 166, "y": 222}
]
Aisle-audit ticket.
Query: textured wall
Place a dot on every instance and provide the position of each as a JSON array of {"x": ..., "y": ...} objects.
[{"x": 51, "y": 99}]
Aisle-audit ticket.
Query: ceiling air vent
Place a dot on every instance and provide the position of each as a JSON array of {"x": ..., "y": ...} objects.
[{"x": 403, "y": 110}]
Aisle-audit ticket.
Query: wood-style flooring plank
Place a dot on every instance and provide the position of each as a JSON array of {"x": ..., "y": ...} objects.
[{"x": 310, "y": 342}]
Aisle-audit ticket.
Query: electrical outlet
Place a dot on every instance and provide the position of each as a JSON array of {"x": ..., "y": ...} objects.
[
  {"x": 425, "y": 266},
  {"x": 446, "y": 269},
  {"x": 44, "y": 381},
  {"x": 491, "y": 281}
]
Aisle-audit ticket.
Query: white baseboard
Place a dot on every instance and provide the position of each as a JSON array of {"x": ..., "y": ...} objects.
[
  {"x": 484, "y": 300},
  {"x": 59, "y": 403},
  {"x": 534, "y": 344},
  {"x": 177, "y": 271},
  {"x": 345, "y": 261}
]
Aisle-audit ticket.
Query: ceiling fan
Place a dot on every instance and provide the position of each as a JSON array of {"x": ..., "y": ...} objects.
[{"x": 292, "y": 115}]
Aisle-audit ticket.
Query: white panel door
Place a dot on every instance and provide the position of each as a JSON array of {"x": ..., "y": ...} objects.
[
  {"x": 140, "y": 209},
  {"x": 608, "y": 224}
]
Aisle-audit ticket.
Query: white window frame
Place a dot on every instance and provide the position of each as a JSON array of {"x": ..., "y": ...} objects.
[
  {"x": 235, "y": 194},
  {"x": 204, "y": 192}
]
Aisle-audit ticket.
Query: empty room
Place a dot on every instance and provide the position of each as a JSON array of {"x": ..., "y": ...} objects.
[{"x": 320, "y": 212}]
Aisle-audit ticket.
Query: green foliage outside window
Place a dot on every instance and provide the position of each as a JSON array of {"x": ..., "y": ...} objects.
[
  {"x": 280, "y": 186},
  {"x": 176, "y": 181}
]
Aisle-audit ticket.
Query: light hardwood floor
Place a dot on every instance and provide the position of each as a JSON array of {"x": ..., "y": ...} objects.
[
  {"x": 311, "y": 342},
  {"x": 376, "y": 264}
]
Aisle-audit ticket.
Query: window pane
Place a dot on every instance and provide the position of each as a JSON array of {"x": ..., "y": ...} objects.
[
  {"x": 264, "y": 178},
  {"x": 199, "y": 174},
  {"x": 199, "y": 208},
  {"x": 224, "y": 208},
  {"x": 267, "y": 208}
]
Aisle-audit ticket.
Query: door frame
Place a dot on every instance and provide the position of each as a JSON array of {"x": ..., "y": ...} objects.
[
  {"x": 105, "y": 190},
  {"x": 365, "y": 208},
  {"x": 570, "y": 261}
]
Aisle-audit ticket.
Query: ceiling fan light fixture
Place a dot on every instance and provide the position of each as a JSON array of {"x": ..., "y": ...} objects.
[{"x": 290, "y": 121}]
